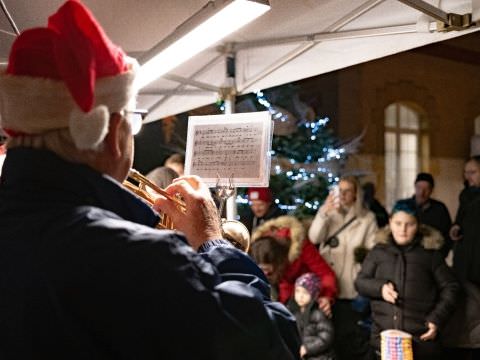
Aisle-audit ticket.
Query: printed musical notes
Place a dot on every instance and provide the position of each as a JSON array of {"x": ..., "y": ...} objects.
[
  {"x": 236, "y": 144},
  {"x": 226, "y": 149}
]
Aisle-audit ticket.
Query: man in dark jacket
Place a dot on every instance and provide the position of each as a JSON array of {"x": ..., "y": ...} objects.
[
  {"x": 430, "y": 211},
  {"x": 83, "y": 272}
]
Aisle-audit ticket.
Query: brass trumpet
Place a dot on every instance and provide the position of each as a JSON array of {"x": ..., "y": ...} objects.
[{"x": 232, "y": 230}]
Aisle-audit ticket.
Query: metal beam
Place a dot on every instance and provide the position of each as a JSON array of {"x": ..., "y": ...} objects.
[
  {"x": 426, "y": 8},
  {"x": 191, "y": 82},
  {"x": 277, "y": 64},
  {"x": 305, "y": 47},
  {"x": 171, "y": 92},
  {"x": 8, "y": 32},
  {"x": 206, "y": 67},
  {"x": 446, "y": 21},
  {"x": 9, "y": 18},
  {"x": 329, "y": 36},
  {"x": 354, "y": 14}
]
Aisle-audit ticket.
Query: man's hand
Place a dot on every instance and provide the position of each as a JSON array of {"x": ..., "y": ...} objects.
[
  {"x": 325, "y": 306},
  {"x": 431, "y": 333},
  {"x": 199, "y": 222},
  {"x": 388, "y": 293}
]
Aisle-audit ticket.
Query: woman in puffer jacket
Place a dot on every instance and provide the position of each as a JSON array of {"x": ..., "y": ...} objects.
[{"x": 410, "y": 286}]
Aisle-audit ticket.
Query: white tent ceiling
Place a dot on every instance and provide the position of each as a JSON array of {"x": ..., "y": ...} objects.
[{"x": 296, "y": 39}]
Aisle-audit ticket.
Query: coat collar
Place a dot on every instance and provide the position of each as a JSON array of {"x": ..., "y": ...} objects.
[
  {"x": 425, "y": 206},
  {"x": 30, "y": 174},
  {"x": 431, "y": 239}
]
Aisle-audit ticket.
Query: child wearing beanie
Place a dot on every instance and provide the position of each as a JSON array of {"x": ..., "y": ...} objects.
[{"x": 315, "y": 329}]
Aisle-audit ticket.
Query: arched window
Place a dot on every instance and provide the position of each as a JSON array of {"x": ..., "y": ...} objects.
[
  {"x": 406, "y": 149},
  {"x": 477, "y": 125}
]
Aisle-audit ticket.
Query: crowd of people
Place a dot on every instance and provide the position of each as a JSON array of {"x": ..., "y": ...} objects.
[
  {"x": 389, "y": 274},
  {"x": 84, "y": 273}
]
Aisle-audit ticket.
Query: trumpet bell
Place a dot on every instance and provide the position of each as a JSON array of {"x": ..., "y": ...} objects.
[{"x": 237, "y": 233}]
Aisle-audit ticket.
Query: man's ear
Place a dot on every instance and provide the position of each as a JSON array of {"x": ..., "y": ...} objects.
[{"x": 112, "y": 140}]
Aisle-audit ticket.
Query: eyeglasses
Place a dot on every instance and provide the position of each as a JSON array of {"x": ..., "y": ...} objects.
[{"x": 135, "y": 118}]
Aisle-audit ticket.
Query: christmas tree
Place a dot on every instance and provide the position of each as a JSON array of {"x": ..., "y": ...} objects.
[{"x": 306, "y": 158}]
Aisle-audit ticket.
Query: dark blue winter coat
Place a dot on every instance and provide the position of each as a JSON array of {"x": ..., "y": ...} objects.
[{"x": 84, "y": 275}]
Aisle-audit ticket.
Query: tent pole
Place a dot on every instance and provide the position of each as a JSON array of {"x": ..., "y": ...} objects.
[{"x": 229, "y": 95}]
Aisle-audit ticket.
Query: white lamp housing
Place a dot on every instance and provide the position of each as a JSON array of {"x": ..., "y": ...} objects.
[{"x": 216, "y": 20}]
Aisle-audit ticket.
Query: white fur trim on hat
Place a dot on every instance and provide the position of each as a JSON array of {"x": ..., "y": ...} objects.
[
  {"x": 33, "y": 105},
  {"x": 89, "y": 129}
]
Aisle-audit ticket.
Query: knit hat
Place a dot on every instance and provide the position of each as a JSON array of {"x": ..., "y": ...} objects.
[
  {"x": 263, "y": 194},
  {"x": 425, "y": 177},
  {"x": 310, "y": 282},
  {"x": 65, "y": 75}
]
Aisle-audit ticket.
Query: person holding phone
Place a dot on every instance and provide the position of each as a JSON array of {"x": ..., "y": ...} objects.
[{"x": 344, "y": 230}]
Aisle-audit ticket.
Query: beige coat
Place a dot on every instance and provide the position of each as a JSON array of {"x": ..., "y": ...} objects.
[{"x": 360, "y": 233}]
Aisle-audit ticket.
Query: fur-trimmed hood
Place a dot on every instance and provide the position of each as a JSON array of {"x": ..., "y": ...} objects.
[
  {"x": 432, "y": 239},
  {"x": 271, "y": 228}
]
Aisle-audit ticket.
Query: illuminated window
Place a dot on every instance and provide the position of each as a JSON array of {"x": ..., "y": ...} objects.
[
  {"x": 406, "y": 150},
  {"x": 477, "y": 125}
]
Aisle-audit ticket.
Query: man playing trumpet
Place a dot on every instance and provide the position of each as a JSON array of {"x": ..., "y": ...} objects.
[{"x": 83, "y": 273}]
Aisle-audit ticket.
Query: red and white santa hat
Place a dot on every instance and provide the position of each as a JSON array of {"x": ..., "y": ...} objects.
[{"x": 66, "y": 75}]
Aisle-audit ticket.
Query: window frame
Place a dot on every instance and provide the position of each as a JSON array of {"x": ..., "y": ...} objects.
[{"x": 398, "y": 190}]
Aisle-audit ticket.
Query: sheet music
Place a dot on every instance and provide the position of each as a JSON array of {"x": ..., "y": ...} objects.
[
  {"x": 220, "y": 147},
  {"x": 235, "y": 144}
]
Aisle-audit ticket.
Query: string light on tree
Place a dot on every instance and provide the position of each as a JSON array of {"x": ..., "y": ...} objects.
[{"x": 306, "y": 159}]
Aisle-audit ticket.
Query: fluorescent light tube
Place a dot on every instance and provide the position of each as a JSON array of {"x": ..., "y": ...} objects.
[{"x": 196, "y": 34}]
